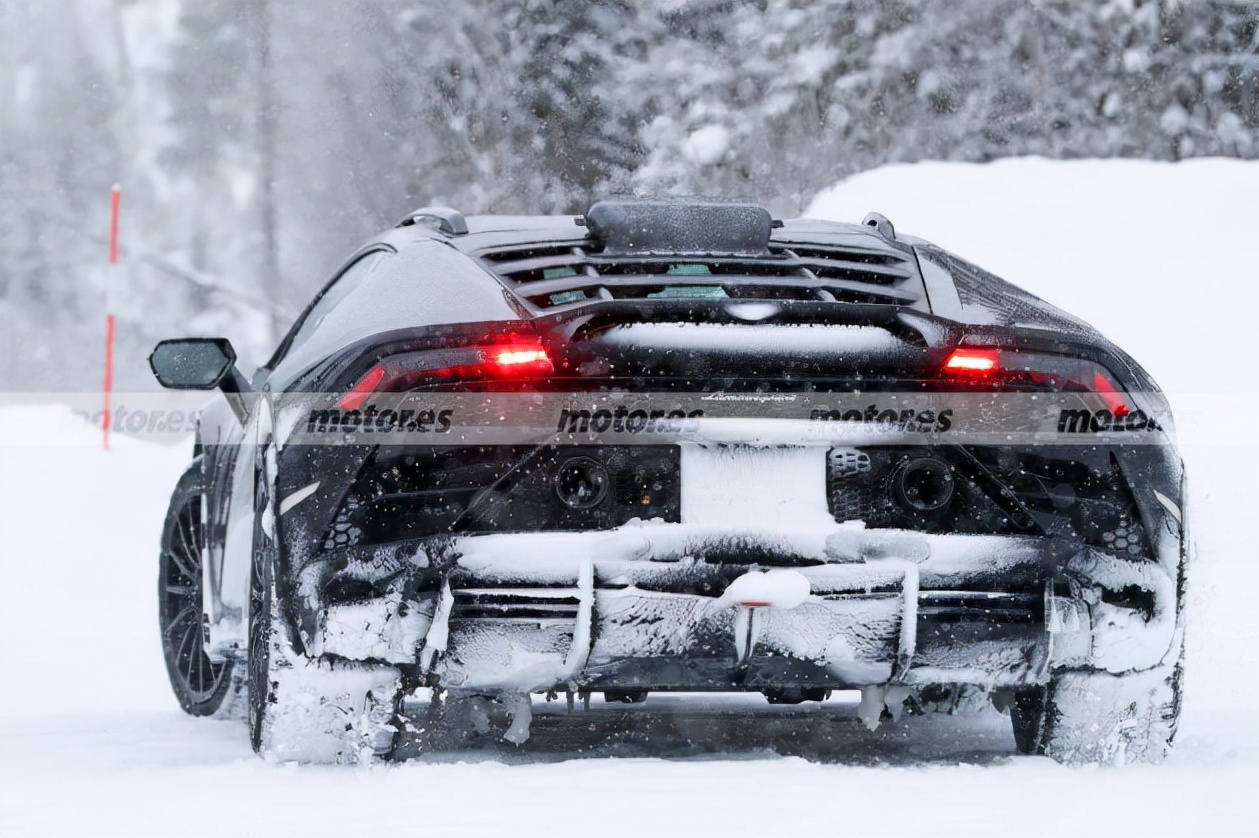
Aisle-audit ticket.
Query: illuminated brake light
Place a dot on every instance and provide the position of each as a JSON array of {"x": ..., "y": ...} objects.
[
  {"x": 514, "y": 357},
  {"x": 973, "y": 361}
]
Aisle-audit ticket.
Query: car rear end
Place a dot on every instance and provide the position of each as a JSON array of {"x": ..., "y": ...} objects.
[{"x": 715, "y": 454}]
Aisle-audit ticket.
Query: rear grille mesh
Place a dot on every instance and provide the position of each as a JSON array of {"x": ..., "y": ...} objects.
[
  {"x": 579, "y": 271},
  {"x": 344, "y": 532}
]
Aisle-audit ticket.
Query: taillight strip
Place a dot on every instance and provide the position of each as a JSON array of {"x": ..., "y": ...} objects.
[
  {"x": 519, "y": 359},
  {"x": 360, "y": 392}
]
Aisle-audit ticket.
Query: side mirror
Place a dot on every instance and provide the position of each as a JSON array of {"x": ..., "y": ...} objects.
[
  {"x": 192, "y": 363},
  {"x": 202, "y": 364}
]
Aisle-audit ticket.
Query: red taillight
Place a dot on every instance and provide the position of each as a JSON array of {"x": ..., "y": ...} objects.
[
  {"x": 360, "y": 392},
  {"x": 1009, "y": 369},
  {"x": 396, "y": 373},
  {"x": 1110, "y": 394},
  {"x": 973, "y": 361}
]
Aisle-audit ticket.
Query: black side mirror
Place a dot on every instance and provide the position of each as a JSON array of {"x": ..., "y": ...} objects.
[
  {"x": 192, "y": 363},
  {"x": 201, "y": 364}
]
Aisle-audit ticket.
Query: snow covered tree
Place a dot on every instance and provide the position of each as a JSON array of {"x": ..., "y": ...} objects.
[{"x": 258, "y": 143}]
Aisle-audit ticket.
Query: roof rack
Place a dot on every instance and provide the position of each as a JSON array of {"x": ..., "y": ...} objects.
[{"x": 443, "y": 219}]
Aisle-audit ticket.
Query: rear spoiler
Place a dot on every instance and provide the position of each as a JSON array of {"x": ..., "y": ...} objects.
[{"x": 912, "y": 326}]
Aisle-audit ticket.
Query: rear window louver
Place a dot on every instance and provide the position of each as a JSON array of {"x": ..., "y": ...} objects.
[{"x": 573, "y": 273}]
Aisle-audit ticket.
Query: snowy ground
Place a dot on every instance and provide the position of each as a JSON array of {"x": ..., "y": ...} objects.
[{"x": 1161, "y": 257}]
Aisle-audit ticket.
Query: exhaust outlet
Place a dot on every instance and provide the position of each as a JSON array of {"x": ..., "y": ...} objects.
[{"x": 924, "y": 484}]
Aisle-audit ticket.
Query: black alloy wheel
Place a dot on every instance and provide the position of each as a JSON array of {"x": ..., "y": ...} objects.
[{"x": 199, "y": 683}]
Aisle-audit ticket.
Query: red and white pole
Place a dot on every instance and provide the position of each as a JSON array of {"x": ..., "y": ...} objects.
[{"x": 115, "y": 204}]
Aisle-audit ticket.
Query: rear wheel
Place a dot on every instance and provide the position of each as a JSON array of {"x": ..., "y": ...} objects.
[
  {"x": 261, "y": 631},
  {"x": 1028, "y": 717},
  {"x": 1097, "y": 717},
  {"x": 201, "y": 685},
  {"x": 304, "y": 709}
]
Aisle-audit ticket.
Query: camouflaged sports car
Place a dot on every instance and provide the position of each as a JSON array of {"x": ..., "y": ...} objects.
[{"x": 673, "y": 446}]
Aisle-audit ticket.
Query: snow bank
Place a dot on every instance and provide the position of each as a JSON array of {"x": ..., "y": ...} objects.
[
  {"x": 1159, "y": 256},
  {"x": 79, "y": 539}
]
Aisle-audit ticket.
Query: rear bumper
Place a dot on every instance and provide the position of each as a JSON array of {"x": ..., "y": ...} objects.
[{"x": 676, "y": 606}]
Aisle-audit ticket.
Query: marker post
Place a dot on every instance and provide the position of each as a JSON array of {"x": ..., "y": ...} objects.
[{"x": 115, "y": 202}]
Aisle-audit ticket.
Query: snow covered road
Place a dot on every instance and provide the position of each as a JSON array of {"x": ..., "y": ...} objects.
[{"x": 1163, "y": 258}]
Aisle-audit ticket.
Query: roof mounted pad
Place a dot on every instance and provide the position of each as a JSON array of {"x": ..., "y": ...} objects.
[
  {"x": 879, "y": 221},
  {"x": 629, "y": 226}
]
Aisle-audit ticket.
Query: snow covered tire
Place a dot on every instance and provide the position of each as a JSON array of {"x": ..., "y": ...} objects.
[
  {"x": 303, "y": 709},
  {"x": 1100, "y": 718}
]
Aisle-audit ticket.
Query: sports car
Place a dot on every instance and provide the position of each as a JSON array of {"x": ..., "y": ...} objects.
[{"x": 672, "y": 445}]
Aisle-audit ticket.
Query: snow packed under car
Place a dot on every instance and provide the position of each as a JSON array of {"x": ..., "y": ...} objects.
[{"x": 672, "y": 445}]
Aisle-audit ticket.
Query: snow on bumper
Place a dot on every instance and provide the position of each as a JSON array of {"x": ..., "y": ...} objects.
[{"x": 841, "y": 606}]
